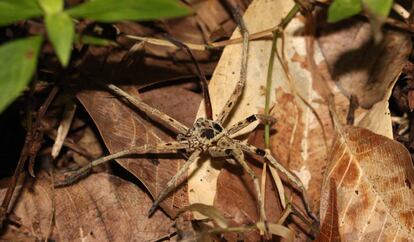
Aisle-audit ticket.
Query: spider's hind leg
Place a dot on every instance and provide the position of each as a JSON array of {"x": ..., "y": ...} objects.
[
  {"x": 239, "y": 156},
  {"x": 290, "y": 176},
  {"x": 75, "y": 176}
]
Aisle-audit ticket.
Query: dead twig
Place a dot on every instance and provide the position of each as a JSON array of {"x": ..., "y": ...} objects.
[{"x": 31, "y": 146}]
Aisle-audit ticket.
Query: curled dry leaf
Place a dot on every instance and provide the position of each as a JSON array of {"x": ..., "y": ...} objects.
[
  {"x": 101, "y": 207},
  {"x": 208, "y": 211},
  {"x": 374, "y": 177},
  {"x": 122, "y": 127},
  {"x": 64, "y": 127},
  {"x": 223, "y": 224}
]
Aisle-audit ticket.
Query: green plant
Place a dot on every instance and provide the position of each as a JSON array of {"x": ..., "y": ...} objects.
[
  {"x": 342, "y": 9},
  {"x": 18, "y": 58}
]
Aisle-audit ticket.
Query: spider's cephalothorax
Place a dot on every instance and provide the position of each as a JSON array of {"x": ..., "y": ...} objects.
[{"x": 204, "y": 134}]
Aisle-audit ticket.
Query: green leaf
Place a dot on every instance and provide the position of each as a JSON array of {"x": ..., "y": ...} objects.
[
  {"x": 51, "y": 6},
  {"x": 92, "y": 40},
  {"x": 117, "y": 10},
  {"x": 18, "y": 61},
  {"x": 342, "y": 9},
  {"x": 15, "y": 10},
  {"x": 379, "y": 7},
  {"x": 61, "y": 31}
]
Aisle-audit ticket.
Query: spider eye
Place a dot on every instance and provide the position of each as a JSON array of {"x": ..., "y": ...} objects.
[
  {"x": 207, "y": 133},
  {"x": 217, "y": 127}
]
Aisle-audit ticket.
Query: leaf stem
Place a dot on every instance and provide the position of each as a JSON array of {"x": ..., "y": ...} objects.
[{"x": 276, "y": 33}]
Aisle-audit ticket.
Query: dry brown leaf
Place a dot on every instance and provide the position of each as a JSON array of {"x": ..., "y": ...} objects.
[
  {"x": 210, "y": 212},
  {"x": 64, "y": 126},
  {"x": 374, "y": 177},
  {"x": 236, "y": 196},
  {"x": 122, "y": 127},
  {"x": 329, "y": 231},
  {"x": 298, "y": 142},
  {"x": 101, "y": 207},
  {"x": 203, "y": 183},
  {"x": 358, "y": 66},
  {"x": 151, "y": 63}
]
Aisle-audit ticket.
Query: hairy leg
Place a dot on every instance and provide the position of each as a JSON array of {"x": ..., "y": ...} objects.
[
  {"x": 239, "y": 156},
  {"x": 153, "y": 113},
  {"x": 170, "y": 185},
  {"x": 238, "y": 90},
  {"x": 244, "y": 123},
  {"x": 290, "y": 176},
  {"x": 82, "y": 172}
]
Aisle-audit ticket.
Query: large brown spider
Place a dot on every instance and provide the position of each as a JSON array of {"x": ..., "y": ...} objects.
[{"x": 206, "y": 135}]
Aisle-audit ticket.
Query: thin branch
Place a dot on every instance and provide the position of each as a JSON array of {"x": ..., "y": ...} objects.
[{"x": 29, "y": 150}]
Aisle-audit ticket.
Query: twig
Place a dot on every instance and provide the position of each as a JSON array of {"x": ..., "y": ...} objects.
[
  {"x": 276, "y": 33},
  {"x": 353, "y": 105},
  {"x": 29, "y": 150}
]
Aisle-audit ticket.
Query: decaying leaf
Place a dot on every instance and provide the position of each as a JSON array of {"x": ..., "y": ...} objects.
[
  {"x": 101, "y": 207},
  {"x": 374, "y": 177},
  {"x": 203, "y": 183},
  {"x": 329, "y": 231},
  {"x": 64, "y": 127},
  {"x": 210, "y": 212},
  {"x": 122, "y": 127},
  {"x": 224, "y": 228},
  {"x": 358, "y": 65},
  {"x": 236, "y": 198}
]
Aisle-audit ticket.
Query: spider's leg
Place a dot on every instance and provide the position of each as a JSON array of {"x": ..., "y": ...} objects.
[
  {"x": 239, "y": 156},
  {"x": 193, "y": 157},
  {"x": 82, "y": 172},
  {"x": 265, "y": 119},
  {"x": 293, "y": 178},
  {"x": 238, "y": 90},
  {"x": 153, "y": 113}
]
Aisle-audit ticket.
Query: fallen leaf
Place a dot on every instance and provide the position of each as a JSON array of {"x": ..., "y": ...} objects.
[
  {"x": 329, "y": 231},
  {"x": 203, "y": 182},
  {"x": 411, "y": 100},
  {"x": 122, "y": 127},
  {"x": 64, "y": 127},
  {"x": 101, "y": 207},
  {"x": 374, "y": 177},
  {"x": 358, "y": 65},
  {"x": 298, "y": 142},
  {"x": 236, "y": 196}
]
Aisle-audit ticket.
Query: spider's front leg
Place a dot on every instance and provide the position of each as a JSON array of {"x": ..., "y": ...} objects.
[
  {"x": 170, "y": 185},
  {"x": 265, "y": 119},
  {"x": 294, "y": 179}
]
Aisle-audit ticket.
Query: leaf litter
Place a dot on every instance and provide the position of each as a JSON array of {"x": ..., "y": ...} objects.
[
  {"x": 297, "y": 139},
  {"x": 101, "y": 207}
]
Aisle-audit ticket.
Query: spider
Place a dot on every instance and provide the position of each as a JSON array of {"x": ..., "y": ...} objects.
[{"x": 206, "y": 135}]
